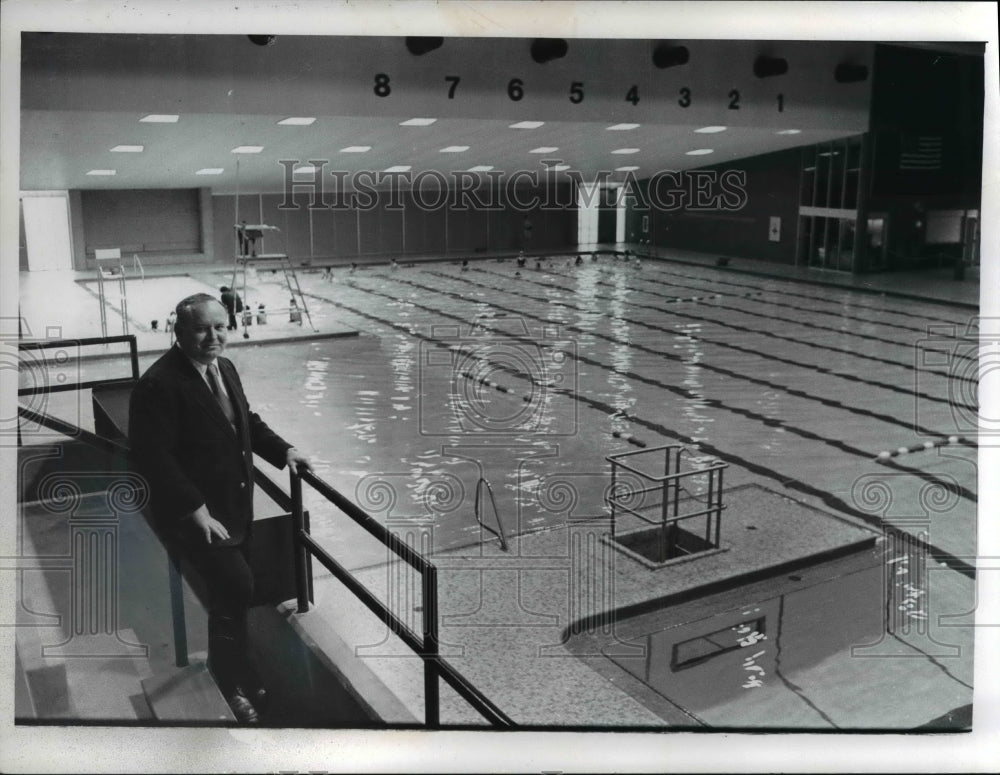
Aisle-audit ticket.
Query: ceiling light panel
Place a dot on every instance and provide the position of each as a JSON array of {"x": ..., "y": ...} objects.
[
  {"x": 527, "y": 125},
  {"x": 127, "y": 149},
  {"x": 248, "y": 149},
  {"x": 418, "y": 122},
  {"x": 622, "y": 127},
  {"x": 160, "y": 118},
  {"x": 455, "y": 149},
  {"x": 297, "y": 121}
]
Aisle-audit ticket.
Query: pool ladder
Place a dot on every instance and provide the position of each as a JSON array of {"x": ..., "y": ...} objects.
[{"x": 496, "y": 515}]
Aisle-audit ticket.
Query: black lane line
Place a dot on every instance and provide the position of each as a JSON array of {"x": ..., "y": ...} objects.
[
  {"x": 840, "y": 315},
  {"x": 911, "y": 426},
  {"x": 859, "y": 291},
  {"x": 901, "y": 313},
  {"x": 739, "y": 348},
  {"x": 761, "y": 291},
  {"x": 793, "y": 321},
  {"x": 687, "y": 393},
  {"x": 831, "y": 500},
  {"x": 962, "y": 492},
  {"x": 832, "y": 348}
]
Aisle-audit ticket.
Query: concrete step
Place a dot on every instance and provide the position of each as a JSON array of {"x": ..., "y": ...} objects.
[
  {"x": 83, "y": 688},
  {"x": 188, "y": 694}
]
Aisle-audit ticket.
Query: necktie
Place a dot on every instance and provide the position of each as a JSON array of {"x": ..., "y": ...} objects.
[{"x": 220, "y": 394}]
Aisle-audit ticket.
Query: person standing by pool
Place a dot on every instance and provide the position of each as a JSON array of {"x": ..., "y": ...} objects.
[
  {"x": 233, "y": 304},
  {"x": 192, "y": 436}
]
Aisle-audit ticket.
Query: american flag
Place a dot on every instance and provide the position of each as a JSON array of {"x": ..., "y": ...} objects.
[{"x": 921, "y": 152}]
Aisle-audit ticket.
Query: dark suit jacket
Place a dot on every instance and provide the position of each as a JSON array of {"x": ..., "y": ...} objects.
[{"x": 189, "y": 453}]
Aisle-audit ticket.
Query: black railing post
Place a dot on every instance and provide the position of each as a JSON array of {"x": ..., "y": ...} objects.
[
  {"x": 432, "y": 698},
  {"x": 614, "y": 495},
  {"x": 718, "y": 512},
  {"x": 298, "y": 548},
  {"x": 709, "y": 506},
  {"x": 133, "y": 351},
  {"x": 177, "y": 609}
]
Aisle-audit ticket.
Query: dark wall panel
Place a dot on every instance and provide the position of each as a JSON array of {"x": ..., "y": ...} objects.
[
  {"x": 294, "y": 237},
  {"x": 425, "y": 229},
  {"x": 771, "y": 189},
  {"x": 142, "y": 221},
  {"x": 507, "y": 230},
  {"x": 335, "y": 234},
  {"x": 419, "y": 229},
  {"x": 381, "y": 230},
  {"x": 223, "y": 234},
  {"x": 467, "y": 230},
  {"x": 559, "y": 229}
]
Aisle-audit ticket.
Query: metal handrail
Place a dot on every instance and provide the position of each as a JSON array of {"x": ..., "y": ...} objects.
[
  {"x": 51, "y": 344},
  {"x": 427, "y": 647},
  {"x": 670, "y": 484},
  {"x": 496, "y": 513},
  {"x": 305, "y": 547},
  {"x": 73, "y": 431}
]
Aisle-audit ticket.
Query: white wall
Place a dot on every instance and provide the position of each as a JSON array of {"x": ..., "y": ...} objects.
[{"x": 46, "y": 230}]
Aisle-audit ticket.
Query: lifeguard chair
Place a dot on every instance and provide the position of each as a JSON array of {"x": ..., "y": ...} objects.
[{"x": 247, "y": 238}]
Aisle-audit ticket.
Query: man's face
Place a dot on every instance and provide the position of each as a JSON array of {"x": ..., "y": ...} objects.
[{"x": 201, "y": 334}]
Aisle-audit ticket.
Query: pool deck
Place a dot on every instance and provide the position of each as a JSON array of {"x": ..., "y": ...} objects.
[
  {"x": 59, "y": 304},
  {"x": 505, "y": 616}
]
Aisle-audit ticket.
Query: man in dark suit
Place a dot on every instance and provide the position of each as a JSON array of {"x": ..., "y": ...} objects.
[{"x": 192, "y": 437}]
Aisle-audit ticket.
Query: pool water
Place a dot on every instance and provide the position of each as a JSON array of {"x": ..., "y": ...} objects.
[{"x": 459, "y": 375}]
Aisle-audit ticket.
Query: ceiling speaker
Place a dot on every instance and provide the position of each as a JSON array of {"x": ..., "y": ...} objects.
[
  {"x": 546, "y": 49},
  {"x": 670, "y": 55},
  {"x": 765, "y": 66},
  {"x": 418, "y": 46}
]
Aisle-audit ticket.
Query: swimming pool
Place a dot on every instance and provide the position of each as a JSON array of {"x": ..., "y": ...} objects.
[
  {"x": 514, "y": 374},
  {"x": 528, "y": 378}
]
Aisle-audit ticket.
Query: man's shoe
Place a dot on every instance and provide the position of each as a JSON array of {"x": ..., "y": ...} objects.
[{"x": 242, "y": 708}]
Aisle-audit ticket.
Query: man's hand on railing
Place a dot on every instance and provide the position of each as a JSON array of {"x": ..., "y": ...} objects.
[{"x": 297, "y": 461}]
